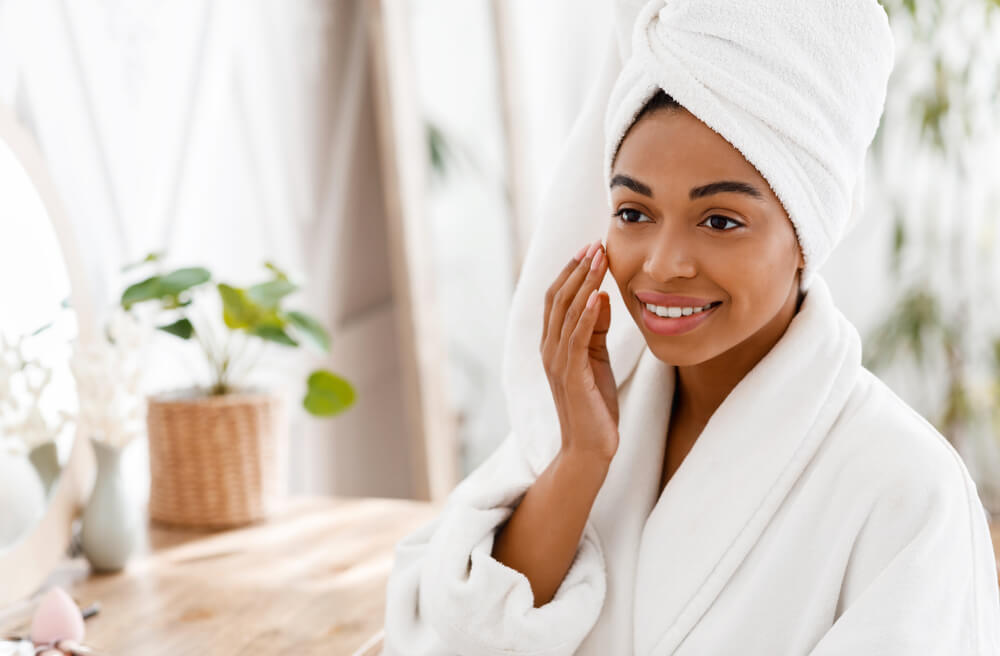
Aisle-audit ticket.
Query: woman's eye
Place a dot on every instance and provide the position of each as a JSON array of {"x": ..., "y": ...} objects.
[
  {"x": 718, "y": 222},
  {"x": 626, "y": 214}
]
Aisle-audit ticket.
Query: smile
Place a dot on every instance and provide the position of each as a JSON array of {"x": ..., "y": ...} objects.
[{"x": 665, "y": 320}]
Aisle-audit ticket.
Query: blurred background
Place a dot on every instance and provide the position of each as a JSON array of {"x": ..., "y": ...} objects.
[{"x": 388, "y": 158}]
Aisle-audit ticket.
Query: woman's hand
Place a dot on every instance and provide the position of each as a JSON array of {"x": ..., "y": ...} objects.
[{"x": 575, "y": 356}]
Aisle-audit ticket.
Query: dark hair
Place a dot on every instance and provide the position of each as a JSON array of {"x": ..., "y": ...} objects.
[{"x": 659, "y": 100}]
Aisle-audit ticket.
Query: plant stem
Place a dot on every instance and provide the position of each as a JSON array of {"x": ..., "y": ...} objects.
[
  {"x": 239, "y": 355},
  {"x": 209, "y": 345},
  {"x": 253, "y": 362}
]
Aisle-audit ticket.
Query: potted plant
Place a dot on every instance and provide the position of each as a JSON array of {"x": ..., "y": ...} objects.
[{"x": 217, "y": 453}]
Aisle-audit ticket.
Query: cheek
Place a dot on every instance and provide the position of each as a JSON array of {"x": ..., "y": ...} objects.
[
  {"x": 616, "y": 258},
  {"x": 759, "y": 279},
  {"x": 622, "y": 261},
  {"x": 620, "y": 268}
]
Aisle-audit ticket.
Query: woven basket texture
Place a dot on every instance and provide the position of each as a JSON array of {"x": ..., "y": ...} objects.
[{"x": 215, "y": 461}]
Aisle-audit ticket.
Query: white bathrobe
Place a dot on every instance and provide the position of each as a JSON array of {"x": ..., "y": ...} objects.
[{"x": 816, "y": 513}]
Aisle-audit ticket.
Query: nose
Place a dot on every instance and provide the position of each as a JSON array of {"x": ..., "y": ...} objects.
[{"x": 670, "y": 256}]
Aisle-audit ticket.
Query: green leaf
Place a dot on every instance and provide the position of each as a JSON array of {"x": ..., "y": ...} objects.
[
  {"x": 181, "y": 280},
  {"x": 42, "y": 328},
  {"x": 174, "y": 302},
  {"x": 328, "y": 394},
  {"x": 270, "y": 293},
  {"x": 311, "y": 328},
  {"x": 278, "y": 273},
  {"x": 145, "y": 290},
  {"x": 164, "y": 287},
  {"x": 152, "y": 257},
  {"x": 437, "y": 149},
  {"x": 898, "y": 240},
  {"x": 272, "y": 333},
  {"x": 238, "y": 310},
  {"x": 181, "y": 328}
]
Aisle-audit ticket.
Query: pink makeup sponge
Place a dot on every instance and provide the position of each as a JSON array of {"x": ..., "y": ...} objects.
[{"x": 57, "y": 618}]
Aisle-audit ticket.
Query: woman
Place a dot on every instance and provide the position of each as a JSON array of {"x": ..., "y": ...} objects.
[{"x": 714, "y": 473}]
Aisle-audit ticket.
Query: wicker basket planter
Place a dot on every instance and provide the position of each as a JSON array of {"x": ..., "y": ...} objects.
[{"x": 215, "y": 461}]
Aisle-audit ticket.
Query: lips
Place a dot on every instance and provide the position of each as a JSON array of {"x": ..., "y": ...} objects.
[
  {"x": 672, "y": 300},
  {"x": 675, "y": 325}
]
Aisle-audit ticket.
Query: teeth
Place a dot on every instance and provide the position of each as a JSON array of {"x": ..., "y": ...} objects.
[{"x": 674, "y": 312}]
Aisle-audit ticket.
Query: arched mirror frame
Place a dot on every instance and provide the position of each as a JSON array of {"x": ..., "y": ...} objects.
[{"x": 26, "y": 564}]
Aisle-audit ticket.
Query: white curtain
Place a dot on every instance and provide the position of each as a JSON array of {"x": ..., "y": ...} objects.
[{"x": 228, "y": 133}]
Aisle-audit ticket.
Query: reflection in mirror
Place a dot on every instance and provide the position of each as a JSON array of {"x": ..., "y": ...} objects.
[
  {"x": 37, "y": 390},
  {"x": 496, "y": 101},
  {"x": 468, "y": 207}
]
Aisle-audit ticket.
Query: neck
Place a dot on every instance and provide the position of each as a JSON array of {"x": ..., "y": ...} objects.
[{"x": 701, "y": 388}]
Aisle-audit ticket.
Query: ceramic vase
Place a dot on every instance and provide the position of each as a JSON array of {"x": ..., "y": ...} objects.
[
  {"x": 22, "y": 497},
  {"x": 45, "y": 458},
  {"x": 112, "y": 522}
]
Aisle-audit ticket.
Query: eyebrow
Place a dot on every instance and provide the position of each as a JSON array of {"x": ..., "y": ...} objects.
[{"x": 719, "y": 187}]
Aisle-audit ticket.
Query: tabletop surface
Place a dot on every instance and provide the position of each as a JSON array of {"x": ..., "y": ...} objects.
[{"x": 311, "y": 580}]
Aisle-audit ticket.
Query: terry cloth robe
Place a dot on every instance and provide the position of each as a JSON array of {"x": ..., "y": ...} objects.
[{"x": 817, "y": 513}]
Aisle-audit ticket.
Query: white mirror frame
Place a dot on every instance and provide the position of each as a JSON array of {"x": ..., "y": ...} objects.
[{"x": 26, "y": 564}]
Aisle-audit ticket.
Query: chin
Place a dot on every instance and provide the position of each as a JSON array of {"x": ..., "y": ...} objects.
[
  {"x": 683, "y": 350},
  {"x": 678, "y": 355}
]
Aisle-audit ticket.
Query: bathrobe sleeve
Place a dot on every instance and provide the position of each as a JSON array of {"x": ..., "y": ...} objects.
[
  {"x": 447, "y": 595},
  {"x": 922, "y": 577}
]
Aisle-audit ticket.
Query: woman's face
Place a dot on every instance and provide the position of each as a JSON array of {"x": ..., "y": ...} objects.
[{"x": 692, "y": 218}]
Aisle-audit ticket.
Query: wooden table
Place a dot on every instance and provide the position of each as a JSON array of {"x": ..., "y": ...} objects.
[{"x": 310, "y": 581}]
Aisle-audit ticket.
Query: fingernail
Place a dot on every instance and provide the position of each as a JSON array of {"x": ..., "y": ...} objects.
[
  {"x": 592, "y": 299},
  {"x": 579, "y": 254},
  {"x": 593, "y": 248},
  {"x": 597, "y": 260}
]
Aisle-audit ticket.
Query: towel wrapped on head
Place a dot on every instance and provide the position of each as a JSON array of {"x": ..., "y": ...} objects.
[{"x": 797, "y": 87}]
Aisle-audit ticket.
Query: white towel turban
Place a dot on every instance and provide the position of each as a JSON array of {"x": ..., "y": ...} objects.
[{"x": 797, "y": 87}]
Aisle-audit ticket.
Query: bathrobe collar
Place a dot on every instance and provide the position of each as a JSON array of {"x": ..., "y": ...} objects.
[{"x": 735, "y": 477}]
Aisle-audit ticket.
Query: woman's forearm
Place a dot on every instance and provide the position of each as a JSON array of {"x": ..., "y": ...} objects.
[{"x": 541, "y": 536}]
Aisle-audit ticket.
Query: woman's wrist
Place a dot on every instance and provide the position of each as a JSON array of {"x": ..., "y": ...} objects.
[
  {"x": 542, "y": 535},
  {"x": 585, "y": 469}
]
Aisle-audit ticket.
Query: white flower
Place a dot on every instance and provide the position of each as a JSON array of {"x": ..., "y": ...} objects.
[
  {"x": 108, "y": 375},
  {"x": 23, "y": 381}
]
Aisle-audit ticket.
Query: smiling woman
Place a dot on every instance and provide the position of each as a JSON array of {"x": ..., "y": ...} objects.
[
  {"x": 705, "y": 258},
  {"x": 693, "y": 218},
  {"x": 699, "y": 463}
]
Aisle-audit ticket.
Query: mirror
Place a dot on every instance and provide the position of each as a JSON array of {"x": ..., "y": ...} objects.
[
  {"x": 452, "y": 242},
  {"x": 477, "y": 104},
  {"x": 37, "y": 391},
  {"x": 44, "y": 466}
]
